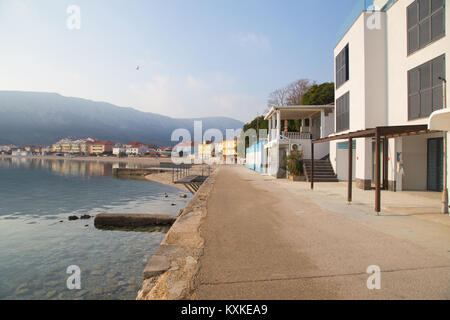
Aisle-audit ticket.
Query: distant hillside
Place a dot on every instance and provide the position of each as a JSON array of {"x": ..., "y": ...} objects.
[{"x": 44, "y": 118}]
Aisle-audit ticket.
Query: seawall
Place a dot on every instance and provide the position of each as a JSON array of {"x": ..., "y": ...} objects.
[{"x": 170, "y": 273}]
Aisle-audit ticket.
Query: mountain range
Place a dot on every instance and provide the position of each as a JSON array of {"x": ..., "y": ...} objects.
[{"x": 44, "y": 118}]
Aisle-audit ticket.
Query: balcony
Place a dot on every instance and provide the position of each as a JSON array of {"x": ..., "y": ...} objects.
[{"x": 296, "y": 136}]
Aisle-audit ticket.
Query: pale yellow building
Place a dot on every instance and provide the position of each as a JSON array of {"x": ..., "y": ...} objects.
[
  {"x": 229, "y": 150},
  {"x": 206, "y": 150}
]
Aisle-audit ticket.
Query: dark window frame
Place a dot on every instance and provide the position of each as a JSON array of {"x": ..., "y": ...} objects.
[
  {"x": 343, "y": 112},
  {"x": 342, "y": 67},
  {"x": 417, "y": 92},
  {"x": 418, "y": 25}
]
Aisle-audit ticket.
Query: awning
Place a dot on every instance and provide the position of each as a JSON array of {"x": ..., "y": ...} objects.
[
  {"x": 440, "y": 120},
  {"x": 377, "y": 134}
]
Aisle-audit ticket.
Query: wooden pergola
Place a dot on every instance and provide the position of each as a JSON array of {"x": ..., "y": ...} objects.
[{"x": 378, "y": 134}]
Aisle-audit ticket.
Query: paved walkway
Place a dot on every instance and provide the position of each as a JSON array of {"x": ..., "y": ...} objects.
[{"x": 274, "y": 239}]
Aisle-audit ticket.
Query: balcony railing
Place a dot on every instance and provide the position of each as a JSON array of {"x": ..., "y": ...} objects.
[
  {"x": 360, "y": 6},
  {"x": 296, "y": 135}
]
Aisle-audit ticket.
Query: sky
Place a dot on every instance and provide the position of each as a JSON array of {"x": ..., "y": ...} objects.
[{"x": 196, "y": 58}]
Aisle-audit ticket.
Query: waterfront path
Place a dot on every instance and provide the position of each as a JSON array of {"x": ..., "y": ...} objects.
[{"x": 274, "y": 239}]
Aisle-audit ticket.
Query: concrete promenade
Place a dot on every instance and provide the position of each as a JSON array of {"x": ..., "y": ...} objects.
[{"x": 274, "y": 239}]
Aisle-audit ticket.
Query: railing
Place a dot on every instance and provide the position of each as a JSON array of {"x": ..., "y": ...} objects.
[
  {"x": 360, "y": 6},
  {"x": 290, "y": 135},
  {"x": 180, "y": 171},
  {"x": 183, "y": 170},
  {"x": 296, "y": 135}
]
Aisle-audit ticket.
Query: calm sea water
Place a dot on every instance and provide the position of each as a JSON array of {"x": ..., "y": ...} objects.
[{"x": 38, "y": 243}]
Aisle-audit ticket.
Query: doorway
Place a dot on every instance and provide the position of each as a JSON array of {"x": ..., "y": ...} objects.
[
  {"x": 382, "y": 164},
  {"x": 435, "y": 164}
]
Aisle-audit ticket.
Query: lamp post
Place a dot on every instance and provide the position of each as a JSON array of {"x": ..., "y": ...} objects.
[{"x": 445, "y": 191}]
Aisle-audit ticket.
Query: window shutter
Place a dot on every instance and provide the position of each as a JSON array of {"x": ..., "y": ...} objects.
[
  {"x": 426, "y": 103},
  {"x": 414, "y": 84},
  {"x": 414, "y": 107},
  {"x": 426, "y": 23},
  {"x": 413, "y": 39},
  {"x": 412, "y": 15},
  {"x": 436, "y": 4},
  {"x": 425, "y": 76},
  {"x": 437, "y": 24},
  {"x": 437, "y": 98},
  {"x": 424, "y": 9},
  {"x": 438, "y": 66},
  {"x": 424, "y": 33}
]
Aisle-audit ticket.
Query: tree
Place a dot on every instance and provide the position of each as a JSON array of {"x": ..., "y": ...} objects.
[
  {"x": 278, "y": 98},
  {"x": 291, "y": 95},
  {"x": 297, "y": 90},
  {"x": 319, "y": 94},
  {"x": 258, "y": 124}
]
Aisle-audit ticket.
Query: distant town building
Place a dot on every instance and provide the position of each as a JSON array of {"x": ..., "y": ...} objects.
[
  {"x": 100, "y": 147},
  {"x": 185, "y": 149},
  {"x": 20, "y": 153},
  {"x": 206, "y": 150},
  {"x": 7, "y": 148},
  {"x": 67, "y": 145},
  {"x": 229, "y": 150}
]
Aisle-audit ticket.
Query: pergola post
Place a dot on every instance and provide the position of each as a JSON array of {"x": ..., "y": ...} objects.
[
  {"x": 312, "y": 165},
  {"x": 350, "y": 169},
  {"x": 377, "y": 172}
]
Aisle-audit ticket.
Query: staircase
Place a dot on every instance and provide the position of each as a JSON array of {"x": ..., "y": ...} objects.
[{"x": 323, "y": 171}]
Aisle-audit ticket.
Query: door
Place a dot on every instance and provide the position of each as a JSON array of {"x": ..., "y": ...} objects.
[
  {"x": 282, "y": 172},
  {"x": 435, "y": 162},
  {"x": 342, "y": 160},
  {"x": 374, "y": 167}
]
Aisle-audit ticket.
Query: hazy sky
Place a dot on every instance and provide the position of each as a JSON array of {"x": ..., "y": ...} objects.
[{"x": 197, "y": 57}]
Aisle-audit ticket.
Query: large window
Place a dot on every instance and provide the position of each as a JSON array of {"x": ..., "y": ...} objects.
[
  {"x": 343, "y": 113},
  {"x": 342, "y": 67},
  {"x": 426, "y": 23},
  {"x": 425, "y": 88}
]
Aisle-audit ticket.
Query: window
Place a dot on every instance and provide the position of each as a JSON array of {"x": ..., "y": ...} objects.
[
  {"x": 425, "y": 88},
  {"x": 426, "y": 23},
  {"x": 343, "y": 113},
  {"x": 342, "y": 74}
]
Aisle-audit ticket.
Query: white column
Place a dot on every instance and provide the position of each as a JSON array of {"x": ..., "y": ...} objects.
[
  {"x": 322, "y": 121},
  {"x": 274, "y": 137},
  {"x": 278, "y": 124},
  {"x": 270, "y": 129}
]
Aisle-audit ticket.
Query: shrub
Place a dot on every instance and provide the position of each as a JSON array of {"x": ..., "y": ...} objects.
[{"x": 294, "y": 163}]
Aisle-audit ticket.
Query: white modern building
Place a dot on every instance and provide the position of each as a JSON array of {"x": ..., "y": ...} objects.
[
  {"x": 314, "y": 122},
  {"x": 389, "y": 71}
]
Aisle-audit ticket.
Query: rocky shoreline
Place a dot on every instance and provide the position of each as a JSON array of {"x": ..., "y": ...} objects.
[{"x": 170, "y": 274}]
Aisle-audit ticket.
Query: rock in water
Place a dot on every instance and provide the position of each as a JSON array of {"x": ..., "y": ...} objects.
[
  {"x": 85, "y": 216},
  {"x": 184, "y": 196},
  {"x": 72, "y": 218}
]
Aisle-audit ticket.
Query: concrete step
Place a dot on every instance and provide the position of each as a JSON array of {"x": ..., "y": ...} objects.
[
  {"x": 326, "y": 180},
  {"x": 323, "y": 171}
]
